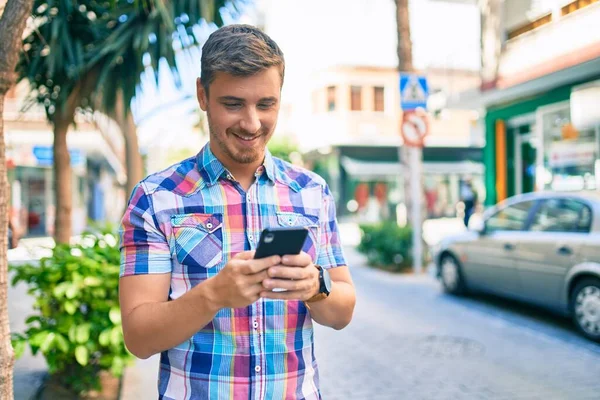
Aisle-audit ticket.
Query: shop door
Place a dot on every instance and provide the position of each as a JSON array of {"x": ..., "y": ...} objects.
[{"x": 525, "y": 160}]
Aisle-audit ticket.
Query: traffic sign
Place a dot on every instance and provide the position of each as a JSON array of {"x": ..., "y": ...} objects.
[
  {"x": 414, "y": 91},
  {"x": 415, "y": 126}
]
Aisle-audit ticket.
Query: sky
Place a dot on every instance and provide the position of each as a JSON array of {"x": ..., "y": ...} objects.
[{"x": 315, "y": 34}]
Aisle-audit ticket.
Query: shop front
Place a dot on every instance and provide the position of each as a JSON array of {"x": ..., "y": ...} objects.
[
  {"x": 369, "y": 180},
  {"x": 550, "y": 141}
]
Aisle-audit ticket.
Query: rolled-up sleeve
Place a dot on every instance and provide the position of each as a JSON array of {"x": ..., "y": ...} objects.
[
  {"x": 331, "y": 253},
  {"x": 144, "y": 248}
]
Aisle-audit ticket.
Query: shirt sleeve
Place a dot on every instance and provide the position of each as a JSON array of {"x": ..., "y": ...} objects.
[
  {"x": 331, "y": 254},
  {"x": 144, "y": 248}
]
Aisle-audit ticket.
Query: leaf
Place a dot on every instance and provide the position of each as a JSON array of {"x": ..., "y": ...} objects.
[
  {"x": 92, "y": 281},
  {"x": 104, "y": 338},
  {"x": 39, "y": 338},
  {"x": 116, "y": 336},
  {"x": 60, "y": 289},
  {"x": 48, "y": 342},
  {"x": 32, "y": 319},
  {"x": 82, "y": 355},
  {"x": 117, "y": 366},
  {"x": 61, "y": 343},
  {"x": 83, "y": 333},
  {"x": 115, "y": 315},
  {"x": 70, "y": 307},
  {"x": 19, "y": 347},
  {"x": 72, "y": 291},
  {"x": 73, "y": 333}
]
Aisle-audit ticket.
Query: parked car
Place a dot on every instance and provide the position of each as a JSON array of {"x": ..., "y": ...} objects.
[{"x": 542, "y": 248}]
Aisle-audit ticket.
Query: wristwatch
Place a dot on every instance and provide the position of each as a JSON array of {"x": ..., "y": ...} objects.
[{"x": 324, "y": 285}]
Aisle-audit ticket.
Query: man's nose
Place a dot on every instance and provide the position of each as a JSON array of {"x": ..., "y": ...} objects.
[{"x": 251, "y": 121}]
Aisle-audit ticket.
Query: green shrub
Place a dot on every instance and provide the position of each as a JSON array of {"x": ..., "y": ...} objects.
[
  {"x": 386, "y": 245},
  {"x": 77, "y": 323}
]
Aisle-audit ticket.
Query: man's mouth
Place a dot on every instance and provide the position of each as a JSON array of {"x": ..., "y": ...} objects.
[{"x": 246, "y": 138}]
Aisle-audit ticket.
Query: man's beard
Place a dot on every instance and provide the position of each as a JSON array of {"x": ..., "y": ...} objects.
[{"x": 241, "y": 156}]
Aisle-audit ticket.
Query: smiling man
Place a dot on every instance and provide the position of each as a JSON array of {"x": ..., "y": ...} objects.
[{"x": 190, "y": 287}]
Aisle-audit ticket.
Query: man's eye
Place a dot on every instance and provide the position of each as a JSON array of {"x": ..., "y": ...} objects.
[
  {"x": 232, "y": 105},
  {"x": 265, "y": 106}
]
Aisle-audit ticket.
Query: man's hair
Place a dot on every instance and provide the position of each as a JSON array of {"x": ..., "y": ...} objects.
[{"x": 239, "y": 50}]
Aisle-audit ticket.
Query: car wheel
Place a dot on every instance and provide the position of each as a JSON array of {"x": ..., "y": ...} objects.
[
  {"x": 585, "y": 305},
  {"x": 451, "y": 275}
]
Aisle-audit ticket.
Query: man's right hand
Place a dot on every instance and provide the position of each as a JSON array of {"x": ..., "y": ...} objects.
[{"x": 239, "y": 283}]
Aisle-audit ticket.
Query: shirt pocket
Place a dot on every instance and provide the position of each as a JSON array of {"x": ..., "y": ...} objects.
[
  {"x": 197, "y": 240},
  {"x": 310, "y": 222}
]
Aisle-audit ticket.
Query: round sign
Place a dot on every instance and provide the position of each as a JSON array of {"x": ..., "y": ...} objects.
[{"x": 415, "y": 126}]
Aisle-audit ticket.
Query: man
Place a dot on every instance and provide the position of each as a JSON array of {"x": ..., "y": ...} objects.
[{"x": 190, "y": 288}]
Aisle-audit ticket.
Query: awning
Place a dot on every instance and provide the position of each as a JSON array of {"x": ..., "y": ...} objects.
[{"x": 372, "y": 170}]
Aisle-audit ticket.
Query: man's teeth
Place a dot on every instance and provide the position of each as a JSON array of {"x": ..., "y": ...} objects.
[{"x": 247, "y": 138}]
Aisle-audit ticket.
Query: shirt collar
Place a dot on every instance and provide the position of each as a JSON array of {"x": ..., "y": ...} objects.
[{"x": 211, "y": 169}]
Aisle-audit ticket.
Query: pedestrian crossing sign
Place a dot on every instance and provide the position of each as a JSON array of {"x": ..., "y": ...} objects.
[{"x": 414, "y": 91}]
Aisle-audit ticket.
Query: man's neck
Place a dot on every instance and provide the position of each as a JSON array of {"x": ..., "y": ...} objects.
[{"x": 243, "y": 173}]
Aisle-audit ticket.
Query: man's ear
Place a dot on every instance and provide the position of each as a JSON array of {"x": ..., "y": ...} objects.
[{"x": 201, "y": 95}]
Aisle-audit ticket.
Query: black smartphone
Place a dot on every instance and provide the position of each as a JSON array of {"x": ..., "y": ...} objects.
[{"x": 280, "y": 241}]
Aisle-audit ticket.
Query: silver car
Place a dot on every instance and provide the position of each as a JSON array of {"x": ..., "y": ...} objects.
[{"x": 542, "y": 248}]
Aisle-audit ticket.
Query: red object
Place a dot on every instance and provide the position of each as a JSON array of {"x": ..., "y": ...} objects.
[{"x": 414, "y": 127}]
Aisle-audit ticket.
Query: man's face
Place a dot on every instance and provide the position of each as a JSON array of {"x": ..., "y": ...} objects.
[{"x": 242, "y": 114}]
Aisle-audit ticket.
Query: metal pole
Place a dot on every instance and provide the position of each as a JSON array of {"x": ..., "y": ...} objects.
[{"x": 416, "y": 166}]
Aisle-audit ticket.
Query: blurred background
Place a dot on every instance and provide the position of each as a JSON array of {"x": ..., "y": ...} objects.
[{"x": 506, "y": 193}]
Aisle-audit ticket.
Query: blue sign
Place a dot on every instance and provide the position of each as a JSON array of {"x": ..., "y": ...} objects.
[
  {"x": 414, "y": 92},
  {"x": 45, "y": 156}
]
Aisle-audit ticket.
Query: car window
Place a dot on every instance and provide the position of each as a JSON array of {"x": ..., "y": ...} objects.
[
  {"x": 512, "y": 218},
  {"x": 562, "y": 215}
]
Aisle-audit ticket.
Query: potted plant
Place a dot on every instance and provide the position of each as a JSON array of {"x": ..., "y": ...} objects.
[{"x": 77, "y": 319}]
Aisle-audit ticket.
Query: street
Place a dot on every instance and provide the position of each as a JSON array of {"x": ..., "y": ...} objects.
[{"x": 409, "y": 340}]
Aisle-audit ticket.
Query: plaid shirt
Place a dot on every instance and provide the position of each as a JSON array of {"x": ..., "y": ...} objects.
[{"x": 190, "y": 220}]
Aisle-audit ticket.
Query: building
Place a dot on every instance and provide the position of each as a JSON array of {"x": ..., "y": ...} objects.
[
  {"x": 97, "y": 159},
  {"x": 352, "y": 138},
  {"x": 540, "y": 91}
]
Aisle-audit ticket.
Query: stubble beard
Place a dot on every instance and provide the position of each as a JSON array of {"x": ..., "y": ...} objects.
[{"x": 243, "y": 156}]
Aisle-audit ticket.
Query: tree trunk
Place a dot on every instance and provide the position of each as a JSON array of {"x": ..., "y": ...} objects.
[
  {"x": 133, "y": 158},
  {"x": 63, "y": 176},
  {"x": 491, "y": 41},
  {"x": 6, "y": 350},
  {"x": 13, "y": 16}
]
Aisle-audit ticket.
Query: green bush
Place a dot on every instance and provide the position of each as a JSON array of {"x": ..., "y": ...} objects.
[
  {"x": 386, "y": 245},
  {"x": 77, "y": 323}
]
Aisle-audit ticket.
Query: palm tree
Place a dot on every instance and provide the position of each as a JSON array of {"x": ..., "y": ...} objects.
[
  {"x": 147, "y": 30},
  {"x": 91, "y": 57},
  {"x": 13, "y": 16}
]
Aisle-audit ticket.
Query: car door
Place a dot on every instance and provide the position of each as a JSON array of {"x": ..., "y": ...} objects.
[
  {"x": 552, "y": 246},
  {"x": 490, "y": 262}
]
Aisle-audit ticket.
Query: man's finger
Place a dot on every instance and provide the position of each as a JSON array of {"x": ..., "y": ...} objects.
[
  {"x": 255, "y": 266},
  {"x": 298, "y": 260},
  {"x": 245, "y": 255},
  {"x": 287, "y": 272}
]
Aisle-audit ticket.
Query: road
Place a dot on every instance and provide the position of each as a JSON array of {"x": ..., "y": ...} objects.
[{"x": 408, "y": 340}]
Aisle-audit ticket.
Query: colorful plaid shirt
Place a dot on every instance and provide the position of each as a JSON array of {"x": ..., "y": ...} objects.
[{"x": 190, "y": 220}]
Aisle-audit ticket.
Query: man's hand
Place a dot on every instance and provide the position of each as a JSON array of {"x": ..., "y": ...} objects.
[
  {"x": 239, "y": 283},
  {"x": 296, "y": 274}
]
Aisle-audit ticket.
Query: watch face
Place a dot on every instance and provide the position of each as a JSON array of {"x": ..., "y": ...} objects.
[{"x": 326, "y": 281}]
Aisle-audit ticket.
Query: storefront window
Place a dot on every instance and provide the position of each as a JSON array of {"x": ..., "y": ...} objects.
[{"x": 569, "y": 154}]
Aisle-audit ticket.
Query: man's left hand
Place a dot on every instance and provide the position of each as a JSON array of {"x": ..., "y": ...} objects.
[{"x": 296, "y": 274}]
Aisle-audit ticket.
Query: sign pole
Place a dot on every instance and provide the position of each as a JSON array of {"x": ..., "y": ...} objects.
[
  {"x": 414, "y": 92},
  {"x": 416, "y": 166}
]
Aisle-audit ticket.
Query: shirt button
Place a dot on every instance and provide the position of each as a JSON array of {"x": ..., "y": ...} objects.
[
  {"x": 250, "y": 237},
  {"x": 257, "y": 369},
  {"x": 255, "y": 325}
]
